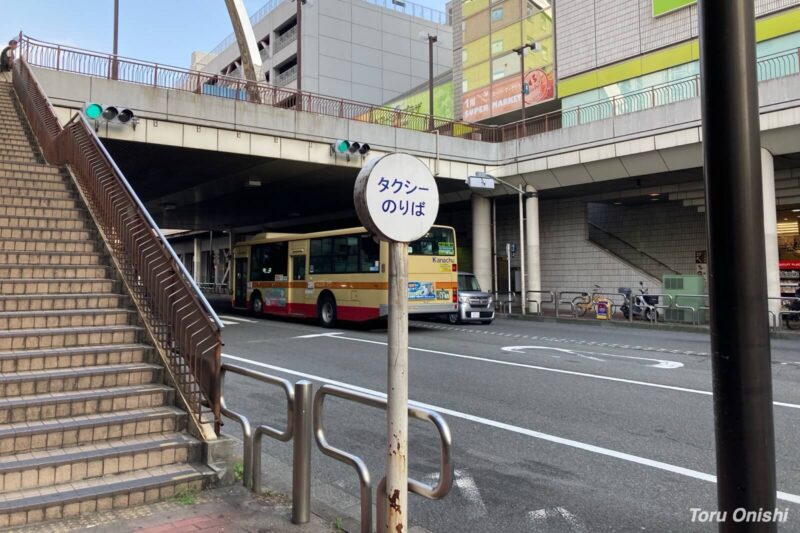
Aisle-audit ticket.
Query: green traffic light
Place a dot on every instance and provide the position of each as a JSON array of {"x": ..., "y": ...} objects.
[
  {"x": 342, "y": 147},
  {"x": 94, "y": 111}
]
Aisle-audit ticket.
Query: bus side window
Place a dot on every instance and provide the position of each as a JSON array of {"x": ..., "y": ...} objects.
[
  {"x": 269, "y": 262},
  {"x": 299, "y": 268}
]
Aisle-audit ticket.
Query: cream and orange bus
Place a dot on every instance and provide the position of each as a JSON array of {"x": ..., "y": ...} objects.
[{"x": 341, "y": 275}]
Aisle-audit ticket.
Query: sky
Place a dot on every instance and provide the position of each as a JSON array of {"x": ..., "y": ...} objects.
[{"x": 162, "y": 31}]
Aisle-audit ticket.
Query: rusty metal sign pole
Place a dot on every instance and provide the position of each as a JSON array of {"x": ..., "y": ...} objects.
[
  {"x": 397, "y": 200},
  {"x": 397, "y": 390}
]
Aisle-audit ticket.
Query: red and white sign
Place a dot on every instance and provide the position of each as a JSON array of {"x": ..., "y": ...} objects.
[
  {"x": 790, "y": 264},
  {"x": 505, "y": 95}
]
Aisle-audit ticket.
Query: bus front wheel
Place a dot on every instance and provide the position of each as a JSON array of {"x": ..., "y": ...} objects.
[{"x": 326, "y": 311}]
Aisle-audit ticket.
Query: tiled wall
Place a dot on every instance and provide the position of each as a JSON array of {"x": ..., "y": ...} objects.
[{"x": 594, "y": 33}]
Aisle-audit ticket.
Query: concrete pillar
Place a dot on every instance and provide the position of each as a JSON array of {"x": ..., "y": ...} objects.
[
  {"x": 771, "y": 230},
  {"x": 482, "y": 241},
  {"x": 532, "y": 252},
  {"x": 198, "y": 257}
]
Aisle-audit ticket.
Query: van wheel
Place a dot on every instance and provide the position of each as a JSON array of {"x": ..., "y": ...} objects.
[
  {"x": 453, "y": 318},
  {"x": 257, "y": 304},
  {"x": 326, "y": 311}
]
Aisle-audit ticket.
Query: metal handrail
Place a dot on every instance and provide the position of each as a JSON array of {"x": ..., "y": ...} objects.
[
  {"x": 297, "y": 428},
  {"x": 442, "y": 487},
  {"x": 170, "y": 303},
  {"x": 499, "y": 303},
  {"x": 539, "y": 303},
  {"x": 695, "y": 310},
  {"x": 47, "y": 55},
  {"x": 561, "y": 300},
  {"x": 778, "y": 320}
]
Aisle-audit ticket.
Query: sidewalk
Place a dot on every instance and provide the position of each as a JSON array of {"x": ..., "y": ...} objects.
[{"x": 229, "y": 509}]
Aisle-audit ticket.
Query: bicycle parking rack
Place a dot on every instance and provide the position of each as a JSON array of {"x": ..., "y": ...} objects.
[
  {"x": 695, "y": 310},
  {"x": 540, "y": 302},
  {"x": 561, "y": 300},
  {"x": 298, "y": 429},
  {"x": 445, "y": 466},
  {"x": 777, "y": 321},
  {"x": 499, "y": 303}
]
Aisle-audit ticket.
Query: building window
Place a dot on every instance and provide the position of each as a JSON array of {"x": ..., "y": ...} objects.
[
  {"x": 497, "y": 46},
  {"x": 464, "y": 57},
  {"x": 497, "y": 14},
  {"x": 498, "y": 73}
]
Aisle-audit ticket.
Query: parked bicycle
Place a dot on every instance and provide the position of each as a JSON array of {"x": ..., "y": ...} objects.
[{"x": 586, "y": 302}]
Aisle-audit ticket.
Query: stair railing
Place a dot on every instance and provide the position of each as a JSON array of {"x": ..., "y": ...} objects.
[{"x": 183, "y": 324}]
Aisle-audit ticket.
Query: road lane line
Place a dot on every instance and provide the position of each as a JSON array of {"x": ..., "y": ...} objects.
[
  {"x": 660, "y": 363},
  {"x": 238, "y": 319},
  {"x": 687, "y": 472},
  {"x": 554, "y": 370}
]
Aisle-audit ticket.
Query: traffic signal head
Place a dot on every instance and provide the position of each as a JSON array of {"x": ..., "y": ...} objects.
[
  {"x": 345, "y": 147},
  {"x": 122, "y": 115}
]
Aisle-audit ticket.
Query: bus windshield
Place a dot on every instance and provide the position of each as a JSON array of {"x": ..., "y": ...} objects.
[{"x": 438, "y": 241}]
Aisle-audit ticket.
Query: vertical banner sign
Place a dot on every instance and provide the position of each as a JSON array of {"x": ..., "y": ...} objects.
[{"x": 396, "y": 199}]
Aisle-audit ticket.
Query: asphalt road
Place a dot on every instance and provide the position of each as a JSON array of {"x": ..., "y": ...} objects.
[{"x": 556, "y": 427}]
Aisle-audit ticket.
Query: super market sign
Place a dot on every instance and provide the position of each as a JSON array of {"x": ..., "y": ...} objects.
[{"x": 662, "y": 7}]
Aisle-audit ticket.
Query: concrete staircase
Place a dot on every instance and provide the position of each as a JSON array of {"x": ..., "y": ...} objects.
[{"x": 86, "y": 421}]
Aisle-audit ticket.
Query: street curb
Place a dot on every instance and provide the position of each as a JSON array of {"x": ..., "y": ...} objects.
[{"x": 662, "y": 326}]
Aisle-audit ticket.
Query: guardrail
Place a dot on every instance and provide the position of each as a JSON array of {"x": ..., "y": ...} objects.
[
  {"x": 183, "y": 325},
  {"x": 431, "y": 492},
  {"x": 540, "y": 302},
  {"x": 76, "y": 60},
  {"x": 785, "y": 313},
  {"x": 695, "y": 310},
  {"x": 298, "y": 430},
  {"x": 500, "y": 303}
]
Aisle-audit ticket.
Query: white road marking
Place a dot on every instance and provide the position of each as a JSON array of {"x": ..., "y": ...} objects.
[
  {"x": 679, "y": 470},
  {"x": 333, "y": 334},
  {"x": 659, "y": 363},
  {"x": 521, "y": 350},
  {"x": 554, "y": 370},
  {"x": 226, "y": 323},
  {"x": 238, "y": 319},
  {"x": 467, "y": 487},
  {"x": 538, "y": 519}
]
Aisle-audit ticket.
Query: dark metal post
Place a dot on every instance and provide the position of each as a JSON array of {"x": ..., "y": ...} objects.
[
  {"x": 115, "y": 64},
  {"x": 299, "y": 103},
  {"x": 431, "y": 39},
  {"x": 737, "y": 266}
]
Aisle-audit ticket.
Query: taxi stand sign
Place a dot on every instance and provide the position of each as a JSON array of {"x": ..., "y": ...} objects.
[{"x": 396, "y": 198}]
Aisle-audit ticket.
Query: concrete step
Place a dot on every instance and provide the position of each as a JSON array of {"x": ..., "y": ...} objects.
[
  {"x": 78, "y": 463},
  {"x": 58, "y": 302},
  {"x": 32, "y": 191},
  {"x": 22, "y": 245},
  {"x": 42, "y": 223},
  {"x": 51, "y": 258},
  {"x": 88, "y": 429},
  {"x": 23, "y": 211},
  {"x": 37, "y": 201},
  {"x": 72, "y": 318},
  {"x": 67, "y": 369},
  {"x": 34, "y": 172},
  {"x": 46, "y": 286},
  {"x": 32, "y": 339},
  {"x": 151, "y": 485},
  {"x": 51, "y": 185},
  {"x": 45, "y": 234},
  {"x": 53, "y": 272},
  {"x": 39, "y": 407},
  {"x": 28, "y": 156}
]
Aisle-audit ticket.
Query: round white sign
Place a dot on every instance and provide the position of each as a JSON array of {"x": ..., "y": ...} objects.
[{"x": 396, "y": 197}]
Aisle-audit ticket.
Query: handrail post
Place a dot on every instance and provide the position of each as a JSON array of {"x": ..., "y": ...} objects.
[
  {"x": 301, "y": 457},
  {"x": 58, "y": 58},
  {"x": 155, "y": 76}
]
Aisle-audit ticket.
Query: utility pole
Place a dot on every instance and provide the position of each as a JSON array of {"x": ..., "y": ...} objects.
[
  {"x": 740, "y": 345},
  {"x": 115, "y": 63},
  {"x": 431, "y": 39},
  {"x": 521, "y": 51}
]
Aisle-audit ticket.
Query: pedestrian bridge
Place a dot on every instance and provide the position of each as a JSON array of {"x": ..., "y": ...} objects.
[{"x": 653, "y": 131}]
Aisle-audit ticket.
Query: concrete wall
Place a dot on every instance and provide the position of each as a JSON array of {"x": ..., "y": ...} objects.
[
  {"x": 594, "y": 33},
  {"x": 667, "y": 231}
]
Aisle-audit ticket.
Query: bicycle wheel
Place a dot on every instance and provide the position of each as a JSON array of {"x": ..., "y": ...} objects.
[{"x": 580, "y": 305}]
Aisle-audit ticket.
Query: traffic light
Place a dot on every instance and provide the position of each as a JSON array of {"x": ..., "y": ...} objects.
[
  {"x": 345, "y": 147},
  {"x": 110, "y": 113}
]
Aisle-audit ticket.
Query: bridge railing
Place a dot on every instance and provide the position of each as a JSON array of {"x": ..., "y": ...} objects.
[
  {"x": 76, "y": 60},
  {"x": 177, "y": 315}
]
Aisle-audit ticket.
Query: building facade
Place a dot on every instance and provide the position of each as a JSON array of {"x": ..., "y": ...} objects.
[{"x": 369, "y": 51}]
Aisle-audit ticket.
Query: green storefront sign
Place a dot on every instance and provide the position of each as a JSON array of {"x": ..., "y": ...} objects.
[{"x": 661, "y": 7}]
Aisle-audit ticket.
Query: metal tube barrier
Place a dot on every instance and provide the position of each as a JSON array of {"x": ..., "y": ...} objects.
[
  {"x": 695, "y": 310},
  {"x": 783, "y": 315},
  {"x": 445, "y": 466},
  {"x": 561, "y": 300},
  {"x": 539, "y": 303},
  {"x": 499, "y": 303},
  {"x": 297, "y": 427}
]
